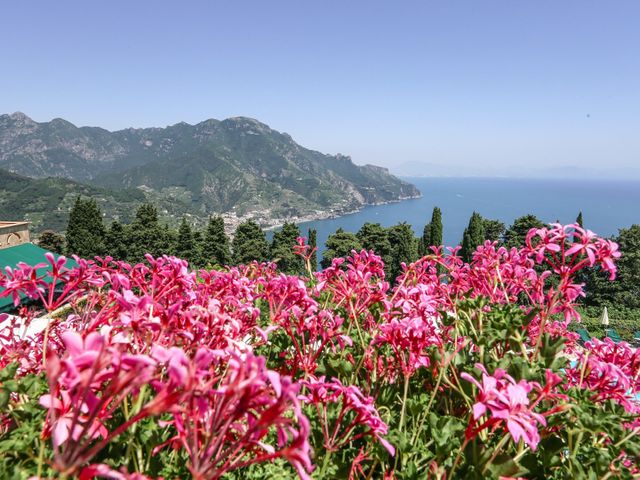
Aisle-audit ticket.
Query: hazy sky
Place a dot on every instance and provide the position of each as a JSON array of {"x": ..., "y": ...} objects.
[{"x": 495, "y": 83}]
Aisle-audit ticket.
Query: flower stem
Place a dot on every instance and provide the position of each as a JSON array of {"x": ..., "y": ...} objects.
[
  {"x": 503, "y": 440},
  {"x": 404, "y": 401}
]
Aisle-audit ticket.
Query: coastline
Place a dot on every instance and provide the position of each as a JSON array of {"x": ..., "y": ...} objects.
[{"x": 325, "y": 215}]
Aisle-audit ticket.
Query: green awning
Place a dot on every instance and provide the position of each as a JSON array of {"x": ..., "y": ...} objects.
[{"x": 27, "y": 253}]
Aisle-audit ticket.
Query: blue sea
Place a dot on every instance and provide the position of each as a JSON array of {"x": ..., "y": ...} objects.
[{"x": 606, "y": 205}]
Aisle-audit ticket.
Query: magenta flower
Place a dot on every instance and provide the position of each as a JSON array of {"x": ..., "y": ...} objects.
[
  {"x": 508, "y": 403},
  {"x": 232, "y": 404},
  {"x": 104, "y": 471},
  {"x": 86, "y": 387},
  {"x": 357, "y": 416},
  {"x": 609, "y": 371}
]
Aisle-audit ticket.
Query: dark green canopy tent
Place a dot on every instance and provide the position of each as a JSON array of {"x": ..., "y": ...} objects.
[{"x": 27, "y": 253}]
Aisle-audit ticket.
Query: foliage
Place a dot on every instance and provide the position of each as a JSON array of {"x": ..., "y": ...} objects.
[
  {"x": 85, "y": 233},
  {"x": 282, "y": 249},
  {"x": 249, "y": 243},
  {"x": 186, "y": 246},
  {"x": 46, "y": 202},
  {"x": 339, "y": 244},
  {"x": 52, "y": 241},
  {"x": 435, "y": 234},
  {"x": 313, "y": 244},
  {"x": 458, "y": 371},
  {"x": 404, "y": 248},
  {"x": 517, "y": 232},
  {"x": 626, "y": 291},
  {"x": 424, "y": 242},
  {"x": 375, "y": 237},
  {"x": 215, "y": 243},
  {"x": 493, "y": 229},
  {"x": 146, "y": 234},
  {"x": 432, "y": 233},
  {"x": 236, "y": 164},
  {"x": 117, "y": 241},
  {"x": 473, "y": 236}
]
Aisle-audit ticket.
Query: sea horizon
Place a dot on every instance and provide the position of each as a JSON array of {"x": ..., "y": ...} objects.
[{"x": 606, "y": 204}]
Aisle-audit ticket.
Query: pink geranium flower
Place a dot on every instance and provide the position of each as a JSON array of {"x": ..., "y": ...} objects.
[{"x": 507, "y": 402}]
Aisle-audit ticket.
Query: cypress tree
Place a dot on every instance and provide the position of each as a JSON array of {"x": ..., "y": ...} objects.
[
  {"x": 579, "y": 220},
  {"x": 249, "y": 243},
  {"x": 425, "y": 240},
  {"x": 476, "y": 236},
  {"x": 85, "y": 232},
  {"x": 146, "y": 235},
  {"x": 215, "y": 246},
  {"x": 435, "y": 231},
  {"x": 185, "y": 246},
  {"x": 167, "y": 240},
  {"x": 198, "y": 237},
  {"x": 146, "y": 215},
  {"x": 282, "y": 249},
  {"x": 313, "y": 244},
  {"x": 466, "y": 252},
  {"x": 404, "y": 248},
  {"x": 117, "y": 240}
]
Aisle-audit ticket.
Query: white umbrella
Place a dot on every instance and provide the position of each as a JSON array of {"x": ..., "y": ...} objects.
[{"x": 605, "y": 317}]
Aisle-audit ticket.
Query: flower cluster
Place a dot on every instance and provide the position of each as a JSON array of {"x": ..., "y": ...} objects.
[
  {"x": 508, "y": 404},
  {"x": 610, "y": 371},
  {"x": 154, "y": 369}
]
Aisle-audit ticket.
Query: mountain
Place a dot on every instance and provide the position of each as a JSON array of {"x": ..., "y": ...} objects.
[
  {"x": 237, "y": 165},
  {"x": 46, "y": 201}
]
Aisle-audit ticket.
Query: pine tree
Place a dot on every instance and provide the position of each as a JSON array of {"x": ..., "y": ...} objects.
[
  {"x": 515, "y": 235},
  {"x": 282, "y": 249},
  {"x": 338, "y": 245},
  {"x": 249, "y": 243},
  {"x": 313, "y": 244},
  {"x": 215, "y": 246},
  {"x": 579, "y": 220},
  {"x": 52, "y": 241},
  {"x": 85, "y": 234},
  {"x": 493, "y": 230},
  {"x": 185, "y": 246}
]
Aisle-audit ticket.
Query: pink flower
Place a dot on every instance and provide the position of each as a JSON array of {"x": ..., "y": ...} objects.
[
  {"x": 358, "y": 415},
  {"x": 104, "y": 471},
  {"x": 223, "y": 420},
  {"x": 508, "y": 402},
  {"x": 86, "y": 387},
  {"x": 609, "y": 371}
]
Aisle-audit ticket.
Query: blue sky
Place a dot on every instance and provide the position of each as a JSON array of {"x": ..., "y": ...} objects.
[{"x": 495, "y": 85}]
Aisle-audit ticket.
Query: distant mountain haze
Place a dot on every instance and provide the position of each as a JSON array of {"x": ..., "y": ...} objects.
[
  {"x": 569, "y": 171},
  {"x": 238, "y": 164}
]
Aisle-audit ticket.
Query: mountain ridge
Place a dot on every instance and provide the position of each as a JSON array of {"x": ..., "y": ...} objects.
[{"x": 238, "y": 165}]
